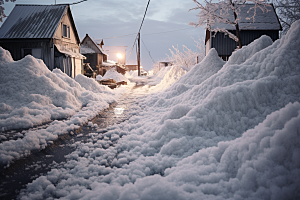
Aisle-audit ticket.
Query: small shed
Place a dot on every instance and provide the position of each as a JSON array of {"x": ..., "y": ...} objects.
[
  {"x": 94, "y": 53},
  {"x": 47, "y": 32},
  {"x": 165, "y": 63},
  {"x": 264, "y": 23}
]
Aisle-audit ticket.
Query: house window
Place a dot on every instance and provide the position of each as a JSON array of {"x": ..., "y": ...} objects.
[
  {"x": 35, "y": 52},
  {"x": 66, "y": 31}
]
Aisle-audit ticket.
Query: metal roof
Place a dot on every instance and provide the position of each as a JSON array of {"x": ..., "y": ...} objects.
[
  {"x": 267, "y": 20},
  {"x": 32, "y": 21}
]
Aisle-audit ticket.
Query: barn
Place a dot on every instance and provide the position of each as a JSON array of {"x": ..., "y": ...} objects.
[
  {"x": 264, "y": 23},
  {"x": 46, "y": 32}
]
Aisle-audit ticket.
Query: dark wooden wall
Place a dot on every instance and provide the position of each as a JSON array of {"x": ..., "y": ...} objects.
[
  {"x": 225, "y": 45},
  {"x": 15, "y": 46},
  {"x": 95, "y": 60}
]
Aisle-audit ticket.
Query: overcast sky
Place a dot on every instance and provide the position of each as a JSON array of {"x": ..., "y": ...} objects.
[{"x": 110, "y": 18}]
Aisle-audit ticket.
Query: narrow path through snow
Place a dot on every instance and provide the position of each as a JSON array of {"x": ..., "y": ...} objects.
[{"x": 23, "y": 171}]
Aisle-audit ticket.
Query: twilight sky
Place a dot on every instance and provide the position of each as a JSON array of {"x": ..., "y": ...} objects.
[{"x": 110, "y": 18}]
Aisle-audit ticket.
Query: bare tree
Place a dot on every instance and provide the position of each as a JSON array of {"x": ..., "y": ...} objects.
[
  {"x": 221, "y": 12},
  {"x": 288, "y": 11},
  {"x": 2, "y": 15}
]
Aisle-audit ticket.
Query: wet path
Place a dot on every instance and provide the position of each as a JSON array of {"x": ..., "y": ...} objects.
[{"x": 24, "y": 171}]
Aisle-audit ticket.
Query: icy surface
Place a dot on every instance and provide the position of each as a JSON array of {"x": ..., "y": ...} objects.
[
  {"x": 228, "y": 132},
  {"x": 31, "y": 95}
]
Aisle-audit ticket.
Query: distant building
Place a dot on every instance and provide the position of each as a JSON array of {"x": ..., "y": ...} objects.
[
  {"x": 165, "y": 63},
  {"x": 265, "y": 23},
  {"x": 94, "y": 54},
  {"x": 131, "y": 65},
  {"x": 47, "y": 32}
]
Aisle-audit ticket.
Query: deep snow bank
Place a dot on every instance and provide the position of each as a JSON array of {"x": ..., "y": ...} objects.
[
  {"x": 233, "y": 134},
  {"x": 31, "y": 95}
]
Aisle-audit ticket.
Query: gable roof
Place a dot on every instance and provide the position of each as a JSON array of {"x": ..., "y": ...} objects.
[
  {"x": 87, "y": 49},
  {"x": 34, "y": 21},
  {"x": 262, "y": 20}
]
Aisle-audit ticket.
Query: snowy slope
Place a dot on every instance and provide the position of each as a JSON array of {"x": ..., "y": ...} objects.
[
  {"x": 31, "y": 95},
  {"x": 217, "y": 133}
]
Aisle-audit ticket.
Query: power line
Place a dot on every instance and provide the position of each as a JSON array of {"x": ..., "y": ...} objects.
[
  {"x": 168, "y": 31},
  {"x": 141, "y": 23},
  {"x": 138, "y": 34},
  {"x": 76, "y": 2},
  {"x": 148, "y": 52},
  {"x": 120, "y": 36},
  {"x": 144, "y": 16}
]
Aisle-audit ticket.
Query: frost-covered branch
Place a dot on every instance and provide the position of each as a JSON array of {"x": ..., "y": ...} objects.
[
  {"x": 2, "y": 14},
  {"x": 288, "y": 12},
  {"x": 225, "y": 12}
]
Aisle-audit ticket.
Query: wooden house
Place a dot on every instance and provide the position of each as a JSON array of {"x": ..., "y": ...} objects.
[
  {"x": 94, "y": 53},
  {"x": 46, "y": 32},
  {"x": 265, "y": 23}
]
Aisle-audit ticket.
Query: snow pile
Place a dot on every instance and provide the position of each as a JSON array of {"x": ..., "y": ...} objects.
[
  {"x": 118, "y": 77},
  {"x": 238, "y": 57},
  {"x": 233, "y": 134},
  {"x": 99, "y": 77},
  {"x": 170, "y": 75},
  {"x": 131, "y": 74},
  {"x": 31, "y": 95},
  {"x": 91, "y": 85},
  {"x": 158, "y": 77}
]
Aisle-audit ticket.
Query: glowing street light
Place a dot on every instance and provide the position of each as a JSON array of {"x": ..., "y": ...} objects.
[{"x": 120, "y": 56}]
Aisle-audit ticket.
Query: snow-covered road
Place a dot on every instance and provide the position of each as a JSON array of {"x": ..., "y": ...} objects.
[
  {"x": 23, "y": 171},
  {"x": 219, "y": 130}
]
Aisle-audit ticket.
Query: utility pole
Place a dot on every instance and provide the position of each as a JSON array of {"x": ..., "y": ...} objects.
[{"x": 139, "y": 55}]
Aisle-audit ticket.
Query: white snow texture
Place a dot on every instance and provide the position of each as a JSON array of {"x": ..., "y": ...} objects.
[
  {"x": 31, "y": 95},
  {"x": 222, "y": 131}
]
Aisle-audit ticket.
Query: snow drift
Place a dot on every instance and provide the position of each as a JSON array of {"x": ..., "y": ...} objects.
[
  {"x": 31, "y": 95},
  {"x": 111, "y": 74},
  {"x": 217, "y": 133}
]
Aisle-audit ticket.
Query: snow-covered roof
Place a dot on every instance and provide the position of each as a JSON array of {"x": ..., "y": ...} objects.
[
  {"x": 166, "y": 60},
  {"x": 85, "y": 48},
  {"x": 33, "y": 21},
  {"x": 109, "y": 63},
  {"x": 266, "y": 20}
]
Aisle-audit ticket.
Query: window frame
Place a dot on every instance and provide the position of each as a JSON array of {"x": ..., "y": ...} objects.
[{"x": 66, "y": 31}]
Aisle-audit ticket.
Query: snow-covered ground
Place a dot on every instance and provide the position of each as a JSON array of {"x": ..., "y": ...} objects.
[
  {"x": 31, "y": 95},
  {"x": 222, "y": 131}
]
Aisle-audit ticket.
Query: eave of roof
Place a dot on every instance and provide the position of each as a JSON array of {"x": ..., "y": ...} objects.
[{"x": 35, "y": 21}]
